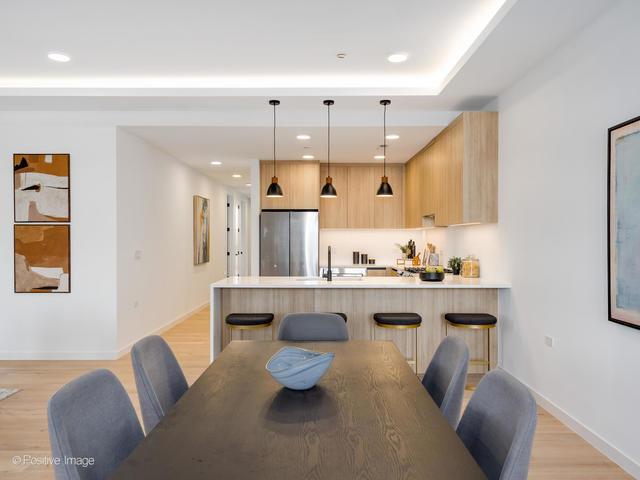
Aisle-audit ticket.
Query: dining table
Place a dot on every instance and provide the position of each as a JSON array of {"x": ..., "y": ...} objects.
[{"x": 369, "y": 417}]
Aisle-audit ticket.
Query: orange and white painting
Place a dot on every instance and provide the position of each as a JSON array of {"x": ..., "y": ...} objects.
[
  {"x": 41, "y": 188},
  {"x": 42, "y": 259}
]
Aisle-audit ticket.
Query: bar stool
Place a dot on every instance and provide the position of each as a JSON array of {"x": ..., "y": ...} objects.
[
  {"x": 400, "y": 321},
  {"x": 249, "y": 321},
  {"x": 343, "y": 315},
  {"x": 473, "y": 321}
]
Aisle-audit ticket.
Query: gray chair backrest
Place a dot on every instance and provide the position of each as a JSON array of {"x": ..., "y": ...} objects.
[
  {"x": 159, "y": 379},
  {"x": 446, "y": 377},
  {"x": 497, "y": 426},
  {"x": 301, "y": 327},
  {"x": 92, "y": 417}
]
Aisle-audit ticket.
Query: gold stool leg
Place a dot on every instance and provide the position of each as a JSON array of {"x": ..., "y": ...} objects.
[
  {"x": 488, "y": 350},
  {"x": 416, "y": 352}
]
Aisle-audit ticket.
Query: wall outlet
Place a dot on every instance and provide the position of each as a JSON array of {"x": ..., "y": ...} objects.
[
  {"x": 137, "y": 255},
  {"x": 549, "y": 341}
]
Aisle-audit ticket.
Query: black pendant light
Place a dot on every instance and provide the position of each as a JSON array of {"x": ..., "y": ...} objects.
[
  {"x": 274, "y": 190},
  {"x": 328, "y": 191},
  {"x": 384, "y": 190}
]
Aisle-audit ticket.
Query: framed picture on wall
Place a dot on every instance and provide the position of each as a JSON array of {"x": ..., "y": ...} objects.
[
  {"x": 624, "y": 223},
  {"x": 41, "y": 187},
  {"x": 201, "y": 243},
  {"x": 42, "y": 259}
]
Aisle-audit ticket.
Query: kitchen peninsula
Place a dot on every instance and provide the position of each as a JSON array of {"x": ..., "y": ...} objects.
[{"x": 359, "y": 299}]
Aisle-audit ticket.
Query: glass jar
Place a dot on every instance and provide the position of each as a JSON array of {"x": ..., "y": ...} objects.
[{"x": 470, "y": 267}]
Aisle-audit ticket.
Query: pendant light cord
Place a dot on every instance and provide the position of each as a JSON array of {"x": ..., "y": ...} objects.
[
  {"x": 328, "y": 140},
  {"x": 384, "y": 141},
  {"x": 274, "y": 139}
]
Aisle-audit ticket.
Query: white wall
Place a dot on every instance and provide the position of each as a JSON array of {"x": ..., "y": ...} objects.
[
  {"x": 483, "y": 241},
  {"x": 155, "y": 218},
  {"x": 377, "y": 243},
  {"x": 553, "y": 178},
  {"x": 81, "y": 324}
]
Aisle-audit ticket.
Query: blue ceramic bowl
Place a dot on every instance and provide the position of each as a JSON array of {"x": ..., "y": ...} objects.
[{"x": 297, "y": 368}]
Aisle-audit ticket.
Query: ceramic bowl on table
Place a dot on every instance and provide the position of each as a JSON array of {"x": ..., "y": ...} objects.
[{"x": 297, "y": 368}]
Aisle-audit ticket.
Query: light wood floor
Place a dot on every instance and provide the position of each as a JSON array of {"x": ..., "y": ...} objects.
[{"x": 558, "y": 453}]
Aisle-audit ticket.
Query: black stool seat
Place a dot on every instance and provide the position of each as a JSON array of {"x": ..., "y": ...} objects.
[
  {"x": 471, "y": 319},
  {"x": 249, "y": 319},
  {"x": 403, "y": 319},
  {"x": 343, "y": 315}
]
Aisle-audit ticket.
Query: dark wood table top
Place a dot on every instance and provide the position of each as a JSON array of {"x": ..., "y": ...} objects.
[{"x": 368, "y": 418}]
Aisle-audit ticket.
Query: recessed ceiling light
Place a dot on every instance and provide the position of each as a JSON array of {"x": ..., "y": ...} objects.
[
  {"x": 303, "y": 136},
  {"x": 393, "y": 136},
  {"x": 397, "y": 57},
  {"x": 379, "y": 157},
  {"x": 341, "y": 55},
  {"x": 215, "y": 162},
  {"x": 247, "y": 184},
  {"x": 308, "y": 157},
  {"x": 236, "y": 175},
  {"x": 59, "y": 57}
]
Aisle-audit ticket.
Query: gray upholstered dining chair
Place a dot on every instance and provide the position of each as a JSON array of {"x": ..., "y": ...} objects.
[
  {"x": 92, "y": 417},
  {"x": 498, "y": 425},
  {"x": 446, "y": 376},
  {"x": 319, "y": 327},
  {"x": 159, "y": 379}
]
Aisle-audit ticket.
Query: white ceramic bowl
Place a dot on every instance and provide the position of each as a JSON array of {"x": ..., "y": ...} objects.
[{"x": 297, "y": 368}]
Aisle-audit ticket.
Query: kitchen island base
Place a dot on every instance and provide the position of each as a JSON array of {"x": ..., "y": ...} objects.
[{"x": 359, "y": 304}]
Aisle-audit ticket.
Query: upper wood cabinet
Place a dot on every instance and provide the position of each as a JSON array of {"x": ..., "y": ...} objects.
[
  {"x": 454, "y": 179},
  {"x": 299, "y": 182},
  {"x": 362, "y": 189},
  {"x": 388, "y": 212},
  {"x": 357, "y": 205},
  {"x": 333, "y": 211}
]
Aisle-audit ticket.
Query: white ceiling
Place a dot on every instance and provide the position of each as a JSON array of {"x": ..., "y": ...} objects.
[
  {"x": 193, "y": 77},
  {"x": 147, "y": 55},
  {"x": 236, "y": 147},
  {"x": 256, "y": 44}
]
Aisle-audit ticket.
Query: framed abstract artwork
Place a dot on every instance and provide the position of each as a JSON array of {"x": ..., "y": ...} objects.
[
  {"x": 41, "y": 188},
  {"x": 624, "y": 223},
  {"x": 42, "y": 260},
  {"x": 201, "y": 243}
]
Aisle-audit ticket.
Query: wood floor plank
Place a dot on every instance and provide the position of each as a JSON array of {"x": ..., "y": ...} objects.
[{"x": 558, "y": 453}]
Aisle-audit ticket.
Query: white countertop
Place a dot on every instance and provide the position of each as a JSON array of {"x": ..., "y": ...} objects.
[
  {"x": 360, "y": 265},
  {"x": 450, "y": 281}
]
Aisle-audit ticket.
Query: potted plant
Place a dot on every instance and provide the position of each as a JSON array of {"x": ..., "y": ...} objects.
[
  {"x": 405, "y": 249},
  {"x": 455, "y": 264}
]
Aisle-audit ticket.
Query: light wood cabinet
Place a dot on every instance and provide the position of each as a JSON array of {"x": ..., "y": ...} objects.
[
  {"x": 362, "y": 189},
  {"x": 412, "y": 196},
  {"x": 333, "y": 211},
  {"x": 357, "y": 205},
  {"x": 304, "y": 185},
  {"x": 454, "y": 179},
  {"x": 299, "y": 182},
  {"x": 389, "y": 212}
]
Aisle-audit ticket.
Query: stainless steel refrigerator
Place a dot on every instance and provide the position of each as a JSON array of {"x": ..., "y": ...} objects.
[{"x": 289, "y": 243}]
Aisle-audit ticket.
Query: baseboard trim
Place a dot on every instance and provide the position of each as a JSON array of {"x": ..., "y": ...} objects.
[
  {"x": 94, "y": 354},
  {"x": 603, "y": 446},
  {"x": 160, "y": 330},
  {"x": 42, "y": 355}
]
